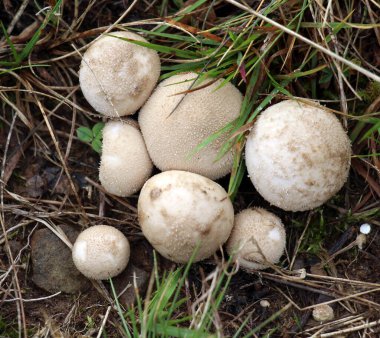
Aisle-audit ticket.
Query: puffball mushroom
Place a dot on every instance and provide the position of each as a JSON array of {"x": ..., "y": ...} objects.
[
  {"x": 125, "y": 164},
  {"x": 323, "y": 313},
  {"x": 101, "y": 252},
  {"x": 174, "y": 125},
  {"x": 180, "y": 212},
  {"x": 117, "y": 76},
  {"x": 297, "y": 155},
  {"x": 258, "y": 237}
]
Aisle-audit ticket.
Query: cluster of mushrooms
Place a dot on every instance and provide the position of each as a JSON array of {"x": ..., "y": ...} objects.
[{"x": 297, "y": 156}]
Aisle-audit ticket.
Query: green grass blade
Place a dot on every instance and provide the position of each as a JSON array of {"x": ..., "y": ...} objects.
[
  {"x": 32, "y": 42},
  {"x": 163, "y": 49},
  {"x": 119, "y": 310},
  {"x": 16, "y": 56},
  {"x": 173, "y": 331}
]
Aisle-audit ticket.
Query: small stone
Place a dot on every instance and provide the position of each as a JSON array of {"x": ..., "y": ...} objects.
[
  {"x": 323, "y": 313},
  {"x": 35, "y": 186},
  {"x": 15, "y": 247},
  {"x": 264, "y": 303},
  {"x": 53, "y": 267},
  {"x": 365, "y": 228}
]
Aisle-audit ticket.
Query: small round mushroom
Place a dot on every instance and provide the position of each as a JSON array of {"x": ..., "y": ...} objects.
[
  {"x": 180, "y": 212},
  {"x": 101, "y": 252},
  {"x": 297, "y": 155},
  {"x": 125, "y": 164},
  {"x": 323, "y": 313},
  {"x": 258, "y": 238},
  {"x": 264, "y": 303},
  {"x": 174, "y": 124},
  {"x": 117, "y": 76}
]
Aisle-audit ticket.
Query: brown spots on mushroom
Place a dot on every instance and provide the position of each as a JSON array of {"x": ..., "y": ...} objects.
[
  {"x": 292, "y": 147},
  {"x": 164, "y": 213},
  {"x": 136, "y": 90},
  {"x": 310, "y": 183},
  {"x": 142, "y": 216},
  {"x": 204, "y": 230},
  {"x": 218, "y": 216},
  {"x": 307, "y": 158},
  {"x": 113, "y": 248},
  {"x": 155, "y": 193}
]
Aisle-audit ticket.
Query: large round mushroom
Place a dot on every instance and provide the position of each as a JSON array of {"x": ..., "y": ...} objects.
[
  {"x": 174, "y": 125},
  {"x": 125, "y": 164},
  {"x": 117, "y": 76},
  {"x": 297, "y": 155},
  {"x": 181, "y": 212}
]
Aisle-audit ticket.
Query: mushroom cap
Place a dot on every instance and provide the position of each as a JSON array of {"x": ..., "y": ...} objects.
[
  {"x": 298, "y": 156},
  {"x": 180, "y": 212},
  {"x": 117, "y": 76},
  {"x": 101, "y": 252},
  {"x": 323, "y": 313},
  {"x": 125, "y": 164},
  {"x": 258, "y": 236},
  {"x": 174, "y": 125}
]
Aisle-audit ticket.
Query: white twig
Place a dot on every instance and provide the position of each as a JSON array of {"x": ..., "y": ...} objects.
[
  {"x": 351, "y": 329},
  {"x": 104, "y": 321},
  {"x": 32, "y": 299}
]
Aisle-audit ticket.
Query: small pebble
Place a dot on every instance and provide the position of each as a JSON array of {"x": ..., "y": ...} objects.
[
  {"x": 365, "y": 228},
  {"x": 53, "y": 267},
  {"x": 264, "y": 303},
  {"x": 323, "y": 313}
]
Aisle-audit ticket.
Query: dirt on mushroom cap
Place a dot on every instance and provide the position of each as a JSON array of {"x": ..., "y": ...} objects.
[
  {"x": 174, "y": 125},
  {"x": 117, "y": 76}
]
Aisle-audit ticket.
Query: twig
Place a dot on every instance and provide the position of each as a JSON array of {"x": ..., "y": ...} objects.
[
  {"x": 19, "y": 304},
  {"x": 104, "y": 321},
  {"x": 351, "y": 329},
  {"x": 306, "y": 40},
  {"x": 17, "y": 16},
  {"x": 32, "y": 299}
]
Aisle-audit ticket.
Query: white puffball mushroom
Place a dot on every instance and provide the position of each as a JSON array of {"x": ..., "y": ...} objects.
[
  {"x": 117, "y": 76},
  {"x": 174, "y": 125},
  {"x": 180, "y": 212},
  {"x": 298, "y": 156},
  {"x": 323, "y": 313},
  {"x": 125, "y": 164},
  {"x": 101, "y": 252},
  {"x": 257, "y": 238}
]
